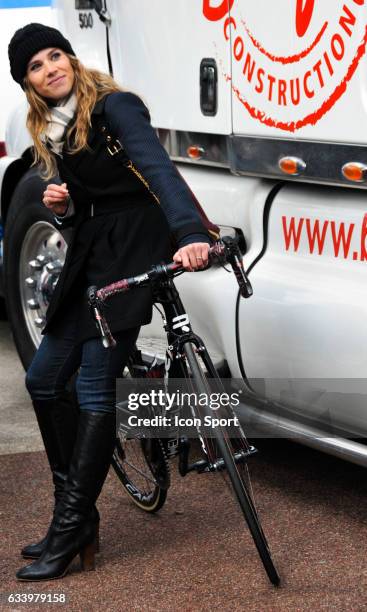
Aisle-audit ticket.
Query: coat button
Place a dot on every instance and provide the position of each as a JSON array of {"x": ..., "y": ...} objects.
[
  {"x": 109, "y": 138},
  {"x": 103, "y": 129}
]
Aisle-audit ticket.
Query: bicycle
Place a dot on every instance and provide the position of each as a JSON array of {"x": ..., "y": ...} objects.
[{"x": 142, "y": 462}]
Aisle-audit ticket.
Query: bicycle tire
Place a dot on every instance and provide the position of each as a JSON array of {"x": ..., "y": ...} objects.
[{"x": 242, "y": 494}]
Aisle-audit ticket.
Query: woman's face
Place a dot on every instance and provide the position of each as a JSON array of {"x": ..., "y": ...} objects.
[{"x": 51, "y": 73}]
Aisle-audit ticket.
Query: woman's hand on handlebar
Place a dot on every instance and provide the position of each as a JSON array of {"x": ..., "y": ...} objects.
[
  {"x": 56, "y": 198},
  {"x": 193, "y": 256}
]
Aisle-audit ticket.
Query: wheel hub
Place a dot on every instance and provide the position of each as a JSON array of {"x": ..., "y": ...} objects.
[
  {"x": 41, "y": 260},
  {"x": 46, "y": 285}
]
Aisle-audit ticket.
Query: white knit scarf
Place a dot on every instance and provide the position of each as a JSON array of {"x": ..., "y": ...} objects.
[{"x": 59, "y": 119}]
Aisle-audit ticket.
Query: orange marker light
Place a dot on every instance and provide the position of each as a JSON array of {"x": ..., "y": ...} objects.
[
  {"x": 195, "y": 152},
  {"x": 292, "y": 165},
  {"x": 355, "y": 171}
]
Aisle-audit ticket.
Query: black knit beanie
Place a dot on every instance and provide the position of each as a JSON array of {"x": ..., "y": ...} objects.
[{"x": 29, "y": 40}]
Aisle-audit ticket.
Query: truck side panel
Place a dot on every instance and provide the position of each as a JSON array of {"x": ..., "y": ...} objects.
[
  {"x": 299, "y": 69},
  {"x": 160, "y": 59},
  {"x": 85, "y": 31},
  {"x": 303, "y": 333}
]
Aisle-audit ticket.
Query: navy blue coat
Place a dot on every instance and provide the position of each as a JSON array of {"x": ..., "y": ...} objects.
[{"x": 129, "y": 231}]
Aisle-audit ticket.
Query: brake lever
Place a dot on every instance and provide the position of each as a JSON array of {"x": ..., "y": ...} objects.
[
  {"x": 96, "y": 305},
  {"x": 234, "y": 257}
]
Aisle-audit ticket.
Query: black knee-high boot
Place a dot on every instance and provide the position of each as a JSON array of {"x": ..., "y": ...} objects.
[
  {"x": 58, "y": 423},
  {"x": 71, "y": 532}
]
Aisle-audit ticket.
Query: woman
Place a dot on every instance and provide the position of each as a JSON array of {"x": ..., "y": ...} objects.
[{"x": 123, "y": 218}]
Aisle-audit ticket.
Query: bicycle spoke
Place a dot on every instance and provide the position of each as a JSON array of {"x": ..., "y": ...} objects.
[
  {"x": 135, "y": 469},
  {"x": 133, "y": 448}
]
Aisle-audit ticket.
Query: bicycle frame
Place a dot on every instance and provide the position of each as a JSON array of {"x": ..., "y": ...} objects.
[
  {"x": 180, "y": 338},
  {"x": 177, "y": 324}
]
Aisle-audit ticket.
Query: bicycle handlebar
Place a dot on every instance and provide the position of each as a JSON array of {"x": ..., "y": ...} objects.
[{"x": 226, "y": 250}]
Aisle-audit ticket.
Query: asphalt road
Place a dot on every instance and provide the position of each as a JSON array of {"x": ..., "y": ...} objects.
[
  {"x": 195, "y": 554},
  {"x": 19, "y": 431}
]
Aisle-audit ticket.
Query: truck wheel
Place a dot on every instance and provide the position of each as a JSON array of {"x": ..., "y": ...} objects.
[
  {"x": 34, "y": 253},
  {"x": 3, "y": 315}
]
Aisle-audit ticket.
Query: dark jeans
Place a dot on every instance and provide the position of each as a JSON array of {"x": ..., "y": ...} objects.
[{"x": 59, "y": 357}]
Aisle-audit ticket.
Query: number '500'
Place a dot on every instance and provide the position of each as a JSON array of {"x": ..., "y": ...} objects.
[{"x": 85, "y": 20}]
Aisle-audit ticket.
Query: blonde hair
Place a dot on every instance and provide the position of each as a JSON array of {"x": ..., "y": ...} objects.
[{"x": 89, "y": 86}]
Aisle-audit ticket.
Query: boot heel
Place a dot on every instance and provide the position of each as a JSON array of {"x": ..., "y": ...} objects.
[
  {"x": 87, "y": 557},
  {"x": 96, "y": 540}
]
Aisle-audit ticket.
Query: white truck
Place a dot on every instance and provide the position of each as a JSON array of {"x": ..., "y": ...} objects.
[
  {"x": 263, "y": 106},
  {"x": 14, "y": 14}
]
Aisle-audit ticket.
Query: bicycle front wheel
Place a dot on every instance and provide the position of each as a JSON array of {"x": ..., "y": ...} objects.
[{"x": 231, "y": 450}]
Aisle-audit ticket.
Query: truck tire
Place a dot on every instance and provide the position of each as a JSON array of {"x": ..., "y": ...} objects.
[
  {"x": 3, "y": 315},
  {"x": 34, "y": 253}
]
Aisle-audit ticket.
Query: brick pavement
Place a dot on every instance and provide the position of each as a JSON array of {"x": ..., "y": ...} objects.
[{"x": 195, "y": 555}]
